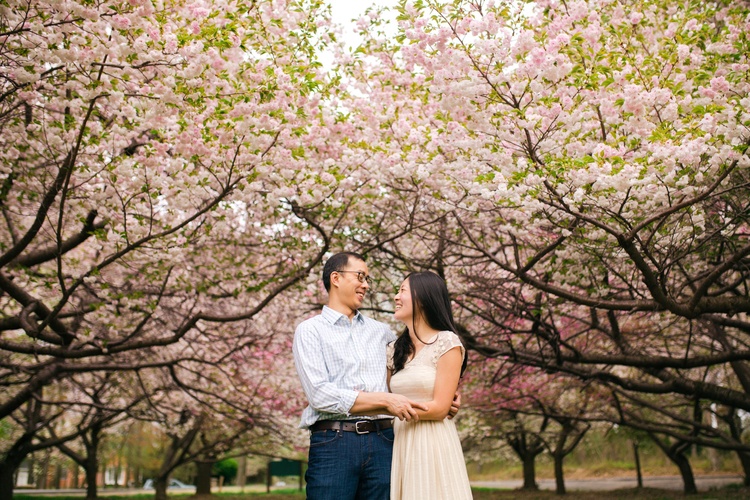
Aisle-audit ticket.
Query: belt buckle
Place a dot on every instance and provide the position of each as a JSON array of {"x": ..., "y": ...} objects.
[{"x": 356, "y": 427}]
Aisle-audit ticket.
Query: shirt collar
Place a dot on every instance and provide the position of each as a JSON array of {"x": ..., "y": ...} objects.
[{"x": 334, "y": 317}]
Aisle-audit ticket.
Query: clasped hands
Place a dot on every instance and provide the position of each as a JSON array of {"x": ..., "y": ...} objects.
[{"x": 403, "y": 408}]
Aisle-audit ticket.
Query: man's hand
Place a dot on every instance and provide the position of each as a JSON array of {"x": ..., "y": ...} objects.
[
  {"x": 403, "y": 408},
  {"x": 455, "y": 405}
]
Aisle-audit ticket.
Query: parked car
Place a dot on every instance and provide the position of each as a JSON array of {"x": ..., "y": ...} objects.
[{"x": 173, "y": 484}]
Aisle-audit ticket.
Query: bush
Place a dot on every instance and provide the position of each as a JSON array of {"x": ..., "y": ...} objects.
[{"x": 226, "y": 469}]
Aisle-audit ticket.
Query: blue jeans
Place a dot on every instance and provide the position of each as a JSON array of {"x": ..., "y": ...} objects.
[{"x": 348, "y": 466}]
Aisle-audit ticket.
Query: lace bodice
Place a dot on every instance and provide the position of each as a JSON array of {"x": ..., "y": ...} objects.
[{"x": 417, "y": 379}]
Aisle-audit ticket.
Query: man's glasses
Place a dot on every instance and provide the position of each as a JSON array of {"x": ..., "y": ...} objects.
[{"x": 361, "y": 276}]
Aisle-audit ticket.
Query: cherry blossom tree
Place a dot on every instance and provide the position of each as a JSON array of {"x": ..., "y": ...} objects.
[
  {"x": 165, "y": 175},
  {"x": 59, "y": 415},
  {"x": 589, "y": 161},
  {"x": 577, "y": 171},
  {"x": 104, "y": 406},
  {"x": 532, "y": 411}
]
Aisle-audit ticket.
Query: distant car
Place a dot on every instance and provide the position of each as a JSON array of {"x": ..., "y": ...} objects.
[{"x": 173, "y": 484}]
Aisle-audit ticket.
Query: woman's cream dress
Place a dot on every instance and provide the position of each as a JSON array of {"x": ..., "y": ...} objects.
[{"x": 428, "y": 463}]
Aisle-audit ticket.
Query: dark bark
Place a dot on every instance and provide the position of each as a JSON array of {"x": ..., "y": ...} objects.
[
  {"x": 160, "y": 487},
  {"x": 11, "y": 462},
  {"x": 559, "y": 474},
  {"x": 734, "y": 423},
  {"x": 176, "y": 455},
  {"x": 686, "y": 471},
  {"x": 527, "y": 446},
  {"x": 44, "y": 476},
  {"x": 7, "y": 478},
  {"x": 639, "y": 474},
  {"x": 203, "y": 481},
  {"x": 90, "y": 465},
  {"x": 745, "y": 462},
  {"x": 677, "y": 453},
  {"x": 89, "y": 461},
  {"x": 571, "y": 434},
  {"x": 529, "y": 472}
]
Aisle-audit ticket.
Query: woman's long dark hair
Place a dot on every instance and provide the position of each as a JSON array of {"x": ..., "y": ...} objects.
[{"x": 430, "y": 300}]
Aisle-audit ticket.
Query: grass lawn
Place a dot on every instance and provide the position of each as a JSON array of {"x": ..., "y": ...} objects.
[
  {"x": 732, "y": 493},
  {"x": 642, "y": 494}
]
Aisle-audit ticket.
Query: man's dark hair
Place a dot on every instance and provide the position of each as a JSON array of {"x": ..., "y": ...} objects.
[{"x": 337, "y": 262}]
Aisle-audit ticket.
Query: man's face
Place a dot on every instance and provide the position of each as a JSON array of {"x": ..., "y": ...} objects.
[{"x": 351, "y": 290}]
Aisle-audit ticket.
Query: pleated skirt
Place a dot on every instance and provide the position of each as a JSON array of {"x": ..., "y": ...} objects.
[{"x": 428, "y": 463}]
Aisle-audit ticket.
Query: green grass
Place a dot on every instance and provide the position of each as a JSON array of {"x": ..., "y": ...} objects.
[
  {"x": 279, "y": 494},
  {"x": 140, "y": 496},
  {"x": 632, "y": 493},
  {"x": 502, "y": 470},
  {"x": 730, "y": 493}
]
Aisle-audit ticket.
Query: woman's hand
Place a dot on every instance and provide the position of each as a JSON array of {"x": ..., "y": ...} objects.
[{"x": 455, "y": 405}]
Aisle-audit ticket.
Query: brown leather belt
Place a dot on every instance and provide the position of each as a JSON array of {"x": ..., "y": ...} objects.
[{"x": 358, "y": 426}]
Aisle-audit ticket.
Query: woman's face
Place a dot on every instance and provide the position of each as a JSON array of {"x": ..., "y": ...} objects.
[{"x": 404, "y": 308}]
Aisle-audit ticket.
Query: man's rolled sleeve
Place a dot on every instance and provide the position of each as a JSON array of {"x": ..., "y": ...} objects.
[{"x": 322, "y": 394}]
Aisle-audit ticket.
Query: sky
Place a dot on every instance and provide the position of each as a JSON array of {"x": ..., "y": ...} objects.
[{"x": 343, "y": 11}]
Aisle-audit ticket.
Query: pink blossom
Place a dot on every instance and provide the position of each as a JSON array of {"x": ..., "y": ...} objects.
[
  {"x": 720, "y": 84},
  {"x": 707, "y": 92},
  {"x": 121, "y": 22}
]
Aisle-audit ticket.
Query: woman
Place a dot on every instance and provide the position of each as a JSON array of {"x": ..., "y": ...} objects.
[{"x": 425, "y": 364}]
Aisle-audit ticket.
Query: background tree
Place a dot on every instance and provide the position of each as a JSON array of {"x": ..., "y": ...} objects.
[
  {"x": 560, "y": 409},
  {"x": 578, "y": 172},
  {"x": 107, "y": 408},
  {"x": 141, "y": 194}
]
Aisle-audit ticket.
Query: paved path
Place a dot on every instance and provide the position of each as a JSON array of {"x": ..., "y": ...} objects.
[
  {"x": 256, "y": 488},
  {"x": 704, "y": 483}
]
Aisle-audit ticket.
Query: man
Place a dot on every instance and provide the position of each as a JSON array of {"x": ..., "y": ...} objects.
[{"x": 340, "y": 357}]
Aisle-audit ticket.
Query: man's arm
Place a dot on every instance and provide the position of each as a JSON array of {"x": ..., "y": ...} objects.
[
  {"x": 322, "y": 395},
  {"x": 376, "y": 403},
  {"x": 327, "y": 398}
]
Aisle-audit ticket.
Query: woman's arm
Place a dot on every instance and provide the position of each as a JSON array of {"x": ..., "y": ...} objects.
[
  {"x": 378, "y": 403},
  {"x": 446, "y": 383}
]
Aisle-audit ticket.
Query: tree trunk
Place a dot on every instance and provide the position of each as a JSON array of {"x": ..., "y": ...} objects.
[
  {"x": 175, "y": 456},
  {"x": 735, "y": 428},
  {"x": 160, "y": 488},
  {"x": 745, "y": 462},
  {"x": 529, "y": 472},
  {"x": 638, "y": 473},
  {"x": 203, "y": 481},
  {"x": 527, "y": 446},
  {"x": 11, "y": 462},
  {"x": 677, "y": 453},
  {"x": 91, "y": 467},
  {"x": 88, "y": 461},
  {"x": 8, "y": 468},
  {"x": 559, "y": 475},
  {"x": 32, "y": 466},
  {"x": 43, "y": 481},
  {"x": 7, "y": 479},
  {"x": 570, "y": 435},
  {"x": 241, "y": 474},
  {"x": 76, "y": 479},
  {"x": 686, "y": 471}
]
